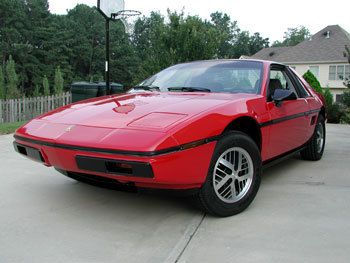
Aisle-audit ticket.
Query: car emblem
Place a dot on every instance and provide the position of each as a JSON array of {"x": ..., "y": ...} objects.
[{"x": 69, "y": 128}]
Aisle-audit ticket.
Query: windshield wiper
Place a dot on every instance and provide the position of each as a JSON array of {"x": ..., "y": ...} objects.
[
  {"x": 146, "y": 87},
  {"x": 189, "y": 89}
]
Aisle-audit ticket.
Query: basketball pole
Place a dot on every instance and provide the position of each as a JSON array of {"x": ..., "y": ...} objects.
[
  {"x": 111, "y": 17},
  {"x": 107, "y": 67},
  {"x": 108, "y": 84}
]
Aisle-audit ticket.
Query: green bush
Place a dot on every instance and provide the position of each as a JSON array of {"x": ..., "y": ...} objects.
[
  {"x": 335, "y": 113},
  {"x": 346, "y": 117},
  {"x": 346, "y": 98},
  {"x": 313, "y": 82},
  {"x": 328, "y": 96}
]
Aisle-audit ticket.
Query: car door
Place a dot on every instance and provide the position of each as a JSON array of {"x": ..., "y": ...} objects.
[{"x": 289, "y": 120}]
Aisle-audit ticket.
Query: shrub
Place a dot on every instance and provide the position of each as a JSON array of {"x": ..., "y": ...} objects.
[
  {"x": 11, "y": 79},
  {"x": 313, "y": 82},
  {"x": 2, "y": 83},
  {"x": 58, "y": 85},
  {"x": 346, "y": 98},
  {"x": 335, "y": 113},
  {"x": 46, "y": 86},
  {"x": 346, "y": 117},
  {"x": 328, "y": 96},
  {"x": 36, "y": 91}
]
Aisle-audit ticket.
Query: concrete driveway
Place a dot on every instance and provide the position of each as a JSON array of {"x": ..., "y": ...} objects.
[{"x": 301, "y": 214}]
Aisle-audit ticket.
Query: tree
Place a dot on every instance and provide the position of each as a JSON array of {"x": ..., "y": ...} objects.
[
  {"x": 328, "y": 96},
  {"x": 11, "y": 80},
  {"x": 58, "y": 85},
  {"x": 2, "y": 84},
  {"x": 46, "y": 86},
  {"x": 257, "y": 42},
  {"x": 227, "y": 32},
  {"x": 293, "y": 36},
  {"x": 347, "y": 78},
  {"x": 313, "y": 82},
  {"x": 36, "y": 91},
  {"x": 346, "y": 94}
]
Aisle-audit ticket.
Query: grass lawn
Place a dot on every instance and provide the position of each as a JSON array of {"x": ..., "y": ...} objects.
[{"x": 7, "y": 128}]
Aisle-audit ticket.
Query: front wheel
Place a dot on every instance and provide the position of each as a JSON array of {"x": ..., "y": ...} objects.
[
  {"x": 315, "y": 147},
  {"x": 233, "y": 178}
]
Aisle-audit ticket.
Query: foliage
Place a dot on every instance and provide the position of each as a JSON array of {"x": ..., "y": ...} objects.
[
  {"x": 346, "y": 94},
  {"x": 313, "y": 82},
  {"x": 40, "y": 42},
  {"x": 46, "y": 86},
  {"x": 11, "y": 80},
  {"x": 335, "y": 113},
  {"x": 346, "y": 98},
  {"x": 328, "y": 96},
  {"x": 347, "y": 55},
  {"x": 36, "y": 91},
  {"x": 2, "y": 83},
  {"x": 58, "y": 85},
  {"x": 7, "y": 128},
  {"x": 346, "y": 116},
  {"x": 293, "y": 36}
]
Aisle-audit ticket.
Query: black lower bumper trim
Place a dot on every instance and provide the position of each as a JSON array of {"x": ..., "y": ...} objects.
[
  {"x": 30, "y": 152},
  {"x": 117, "y": 167}
]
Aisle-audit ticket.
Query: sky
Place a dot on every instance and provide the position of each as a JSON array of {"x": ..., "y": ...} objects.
[{"x": 270, "y": 18}]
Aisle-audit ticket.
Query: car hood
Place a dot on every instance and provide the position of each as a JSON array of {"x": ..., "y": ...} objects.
[
  {"x": 124, "y": 121},
  {"x": 151, "y": 111}
]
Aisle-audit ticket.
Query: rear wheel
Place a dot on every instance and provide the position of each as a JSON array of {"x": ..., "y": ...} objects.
[
  {"x": 315, "y": 147},
  {"x": 233, "y": 178}
]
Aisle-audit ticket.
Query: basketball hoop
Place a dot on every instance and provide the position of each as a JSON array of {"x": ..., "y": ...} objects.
[
  {"x": 114, "y": 10},
  {"x": 123, "y": 16}
]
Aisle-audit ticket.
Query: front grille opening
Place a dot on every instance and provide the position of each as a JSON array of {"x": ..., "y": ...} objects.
[
  {"x": 22, "y": 150},
  {"x": 118, "y": 168}
]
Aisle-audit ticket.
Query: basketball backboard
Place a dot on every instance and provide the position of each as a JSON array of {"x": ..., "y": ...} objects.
[{"x": 109, "y": 7}]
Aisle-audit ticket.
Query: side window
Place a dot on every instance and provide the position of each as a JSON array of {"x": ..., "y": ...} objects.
[
  {"x": 279, "y": 80},
  {"x": 300, "y": 86}
]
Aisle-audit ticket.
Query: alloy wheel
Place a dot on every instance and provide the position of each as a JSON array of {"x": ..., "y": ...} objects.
[{"x": 233, "y": 174}]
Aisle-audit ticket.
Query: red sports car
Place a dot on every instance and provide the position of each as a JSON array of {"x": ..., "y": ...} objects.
[{"x": 208, "y": 126}]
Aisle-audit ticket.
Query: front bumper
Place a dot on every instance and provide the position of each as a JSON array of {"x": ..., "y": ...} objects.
[{"x": 182, "y": 169}]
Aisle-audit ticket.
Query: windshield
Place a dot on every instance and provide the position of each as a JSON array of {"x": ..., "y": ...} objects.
[{"x": 208, "y": 76}]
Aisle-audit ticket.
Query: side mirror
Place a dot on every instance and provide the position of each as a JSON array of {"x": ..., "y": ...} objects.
[{"x": 282, "y": 94}]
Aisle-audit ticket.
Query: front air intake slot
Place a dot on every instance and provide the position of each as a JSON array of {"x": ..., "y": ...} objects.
[
  {"x": 117, "y": 167},
  {"x": 121, "y": 168},
  {"x": 30, "y": 152}
]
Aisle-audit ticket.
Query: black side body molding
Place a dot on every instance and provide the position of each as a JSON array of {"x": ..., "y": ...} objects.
[{"x": 290, "y": 117}]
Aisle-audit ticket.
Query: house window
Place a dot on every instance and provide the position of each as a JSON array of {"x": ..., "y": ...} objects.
[
  {"x": 339, "y": 72},
  {"x": 315, "y": 70},
  {"x": 339, "y": 98},
  {"x": 347, "y": 71},
  {"x": 332, "y": 72}
]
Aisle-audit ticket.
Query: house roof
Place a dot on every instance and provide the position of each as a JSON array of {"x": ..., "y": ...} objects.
[{"x": 319, "y": 48}]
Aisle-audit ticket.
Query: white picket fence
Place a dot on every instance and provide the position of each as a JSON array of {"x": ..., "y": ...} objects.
[{"x": 24, "y": 109}]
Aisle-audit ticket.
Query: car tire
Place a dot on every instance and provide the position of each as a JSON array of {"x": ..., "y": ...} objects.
[
  {"x": 225, "y": 191},
  {"x": 315, "y": 147}
]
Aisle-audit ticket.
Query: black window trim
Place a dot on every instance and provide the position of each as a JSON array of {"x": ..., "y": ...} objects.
[
  {"x": 291, "y": 77},
  {"x": 302, "y": 92}
]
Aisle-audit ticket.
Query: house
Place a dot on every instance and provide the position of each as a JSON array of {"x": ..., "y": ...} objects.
[{"x": 322, "y": 54}]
